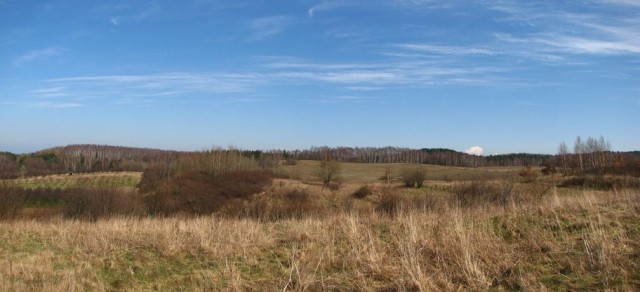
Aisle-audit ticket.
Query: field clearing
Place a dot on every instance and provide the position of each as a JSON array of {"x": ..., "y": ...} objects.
[
  {"x": 483, "y": 229},
  {"x": 372, "y": 172},
  {"x": 99, "y": 180},
  {"x": 305, "y": 170},
  {"x": 584, "y": 241}
]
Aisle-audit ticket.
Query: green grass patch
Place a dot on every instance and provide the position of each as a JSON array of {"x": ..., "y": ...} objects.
[
  {"x": 48, "y": 202},
  {"x": 148, "y": 269},
  {"x": 100, "y": 180}
]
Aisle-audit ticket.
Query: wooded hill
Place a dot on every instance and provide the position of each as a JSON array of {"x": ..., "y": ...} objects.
[{"x": 98, "y": 158}]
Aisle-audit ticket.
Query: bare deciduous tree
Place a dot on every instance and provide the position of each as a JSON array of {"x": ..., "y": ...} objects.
[{"x": 562, "y": 150}]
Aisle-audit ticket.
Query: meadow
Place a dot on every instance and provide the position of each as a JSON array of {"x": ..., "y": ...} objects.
[
  {"x": 306, "y": 170},
  {"x": 101, "y": 179},
  {"x": 466, "y": 229}
]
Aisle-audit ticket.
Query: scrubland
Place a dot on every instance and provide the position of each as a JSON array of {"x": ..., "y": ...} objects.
[{"x": 496, "y": 233}]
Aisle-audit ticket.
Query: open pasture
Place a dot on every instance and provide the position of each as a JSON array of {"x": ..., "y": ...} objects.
[
  {"x": 585, "y": 241},
  {"x": 307, "y": 170},
  {"x": 466, "y": 229},
  {"x": 81, "y": 180}
]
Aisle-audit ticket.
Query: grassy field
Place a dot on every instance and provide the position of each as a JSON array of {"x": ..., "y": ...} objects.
[
  {"x": 100, "y": 179},
  {"x": 369, "y": 173},
  {"x": 539, "y": 238},
  {"x": 305, "y": 170}
]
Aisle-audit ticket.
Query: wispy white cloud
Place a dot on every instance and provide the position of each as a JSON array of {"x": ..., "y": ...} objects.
[
  {"x": 447, "y": 50},
  {"x": 428, "y": 4},
  {"x": 42, "y": 54},
  {"x": 374, "y": 4},
  {"x": 388, "y": 74},
  {"x": 340, "y": 99},
  {"x": 151, "y": 9},
  {"x": 381, "y": 73},
  {"x": 141, "y": 89},
  {"x": 559, "y": 43},
  {"x": 293, "y": 64},
  {"x": 138, "y": 11},
  {"x": 364, "y": 88},
  {"x": 149, "y": 88},
  {"x": 266, "y": 27},
  {"x": 345, "y": 77},
  {"x": 165, "y": 84},
  {"x": 49, "y": 104},
  {"x": 328, "y": 5},
  {"x": 581, "y": 45},
  {"x": 561, "y": 31},
  {"x": 50, "y": 92},
  {"x": 629, "y": 3}
]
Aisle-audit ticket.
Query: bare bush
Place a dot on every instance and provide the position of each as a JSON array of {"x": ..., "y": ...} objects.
[
  {"x": 390, "y": 202},
  {"x": 9, "y": 167},
  {"x": 95, "y": 203},
  {"x": 528, "y": 174},
  {"x": 153, "y": 177},
  {"x": 479, "y": 192},
  {"x": 199, "y": 193},
  {"x": 329, "y": 171},
  {"x": 12, "y": 200},
  {"x": 413, "y": 177},
  {"x": 276, "y": 204},
  {"x": 362, "y": 192},
  {"x": 601, "y": 182},
  {"x": 333, "y": 186}
]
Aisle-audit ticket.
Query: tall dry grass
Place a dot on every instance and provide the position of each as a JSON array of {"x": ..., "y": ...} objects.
[{"x": 581, "y": 240}]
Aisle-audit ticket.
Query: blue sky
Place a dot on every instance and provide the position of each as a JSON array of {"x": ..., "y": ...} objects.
[{"x": 506, "y": 76}]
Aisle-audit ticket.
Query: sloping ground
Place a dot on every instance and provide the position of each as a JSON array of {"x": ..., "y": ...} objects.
[{"x": 584, "y": 240}]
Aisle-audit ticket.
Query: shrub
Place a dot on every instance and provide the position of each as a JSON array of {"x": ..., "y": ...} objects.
[
  {"x": 528, "y": 174},
  {"x": 9, "y": 167},
  {"x": 329, "y": 171},
  {"x": 274, "y": 205},
  {"x": 390, "y": 202},
  {"x": 362, "y": 192},
  {"x": 601, "y": 182},
  {"x": 481, "y": 192},
  {"x": 334, "y": 186},
  {"x": 94, "y": 203},
  {"x": 153, "y": 176},
  {"x": 549, "y": 170},
  {"x": 12, "y": 200},
  {"x": 199, "y": 193},
  {"x": 413, "y": 178},
  {"x": 388, "y": 176}
]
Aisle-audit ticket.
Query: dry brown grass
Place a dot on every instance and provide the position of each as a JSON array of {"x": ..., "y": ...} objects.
[
  {"x": 578, "y": 240},
  {"x": 372, "y": 172}
]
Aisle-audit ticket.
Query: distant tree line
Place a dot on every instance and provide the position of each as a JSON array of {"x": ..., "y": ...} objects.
[
  {"x": 80, "y": 158},
  {"x": 9, "y": 165},
  {"x": 589, "y": 155},
  {"x": 594, "y": 156},
  {"x": 100, "y": 158},
  {"x": 437, "y": 156}
]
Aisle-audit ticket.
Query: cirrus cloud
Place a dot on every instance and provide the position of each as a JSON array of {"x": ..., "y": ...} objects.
[{"x": 43, "y": 54}]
